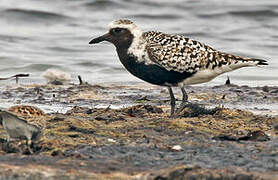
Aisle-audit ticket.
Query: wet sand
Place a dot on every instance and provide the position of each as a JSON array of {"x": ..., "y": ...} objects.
[{"x": 113, "y": 131}]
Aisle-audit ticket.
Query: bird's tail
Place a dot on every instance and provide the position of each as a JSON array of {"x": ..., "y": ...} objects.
[
  {"x": 260, "y": 61},
  {"x": 229, "y": 62},
  {"x": 250, "y": 61}
]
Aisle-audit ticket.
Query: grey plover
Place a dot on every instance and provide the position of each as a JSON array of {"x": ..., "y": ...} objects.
[
  {"x": 169, "y": 60},
  {"x": 19, "y": 128}
]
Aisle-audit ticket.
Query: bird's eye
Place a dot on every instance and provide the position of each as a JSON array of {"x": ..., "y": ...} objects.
[{"x": 117, "y": 30}]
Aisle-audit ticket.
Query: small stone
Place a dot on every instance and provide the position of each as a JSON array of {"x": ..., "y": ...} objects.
[
  {"x": 111, "y": 140},
  {"x": 275, "y": 127},
  {"x": 265, "y": 89},
  {"x": 177, "y": 148},
  {"x": 257, "y": 136}
]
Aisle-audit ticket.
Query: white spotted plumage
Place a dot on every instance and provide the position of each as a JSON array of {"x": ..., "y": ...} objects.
[
  {"x": 181, "y": 54},
  {"x": 169, "y": 60}
]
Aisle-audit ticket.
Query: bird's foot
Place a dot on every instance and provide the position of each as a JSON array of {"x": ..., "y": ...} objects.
[
  {"x": 29, "y": 145},
  {"x": 177, "y": 112},
  {"x": 30, "y": 150}
]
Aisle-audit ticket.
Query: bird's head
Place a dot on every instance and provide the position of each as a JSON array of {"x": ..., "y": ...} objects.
[{"x": 121, "y": 33}]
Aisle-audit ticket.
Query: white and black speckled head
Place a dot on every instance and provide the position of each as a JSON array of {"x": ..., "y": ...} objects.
[
  {"x": 128, "y": 39},
  {"x": 121, "y": 33},
  {"x": 128, "y": 25}
]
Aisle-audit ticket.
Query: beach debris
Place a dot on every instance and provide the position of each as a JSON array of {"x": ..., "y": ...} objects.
[
  {"x": 176, "y": 148},
  {"x": 195, "y": 110},
  {"x": 265, "y": 89},
  {"x": 80, "y": 80},
  {"x": 57, "y": 77},
  {"x": 17, "y": 76},
  {"x": 251, "y": 136},
  {"x": 275, "y": 127},
  {"x": 142, "y": 109},
  {"x": 111, "y": 140},
  {"x": 228, "y": 82},
  {"x": 81, "y": 130}
]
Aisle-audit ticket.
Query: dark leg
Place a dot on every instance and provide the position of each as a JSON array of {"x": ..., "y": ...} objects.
[
  {"x": 8, "y": 139},
  {"x": 8, "y": 142},
  {"x": 173, "y": 100},
  {"x": 184, "y": 100},
  {"x": 29, "y": 143}
]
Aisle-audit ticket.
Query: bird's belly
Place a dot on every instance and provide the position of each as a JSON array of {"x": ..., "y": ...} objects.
[
  {"x": 15, "y": 133},
  {"x": 205, "y": 75},
  {"x": 155, "y": 74}
]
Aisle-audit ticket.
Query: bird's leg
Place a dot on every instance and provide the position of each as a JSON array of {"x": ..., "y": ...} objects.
[
  {"x": 29, "y": 143},
  {"x": 173, "y": 100},
  {"x": 184, "y": 100},
  {"x": 8, "y": 139}
]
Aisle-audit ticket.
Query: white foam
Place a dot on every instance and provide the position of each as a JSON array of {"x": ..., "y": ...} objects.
[{"x": 56, "y": 75}]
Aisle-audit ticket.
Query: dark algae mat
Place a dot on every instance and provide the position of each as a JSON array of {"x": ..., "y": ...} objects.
[{"x": 125, "y": 132}]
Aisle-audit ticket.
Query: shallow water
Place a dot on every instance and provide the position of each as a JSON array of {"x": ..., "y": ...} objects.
[{"x": 38, "y": 35}]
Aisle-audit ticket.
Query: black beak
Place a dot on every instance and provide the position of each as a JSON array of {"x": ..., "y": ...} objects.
[{"x": 105, "y": 37}]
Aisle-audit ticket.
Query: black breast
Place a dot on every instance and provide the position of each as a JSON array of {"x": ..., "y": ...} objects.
[{"x": 151, "y": 73}]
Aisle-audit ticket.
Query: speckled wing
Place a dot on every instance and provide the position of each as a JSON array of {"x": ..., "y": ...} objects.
[
  {"x": 177, "y": 53},
  {"x": 182, "y": 54}
]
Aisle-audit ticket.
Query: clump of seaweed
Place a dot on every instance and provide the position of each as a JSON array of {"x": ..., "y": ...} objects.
[
  {"x": 195, "y": 110},
  {"x": 142, "y": 109}
]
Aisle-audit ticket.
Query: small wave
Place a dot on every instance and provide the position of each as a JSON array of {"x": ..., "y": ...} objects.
[
  {"x": 103, "y": 4},
  {"x": 147, "y": 3},
  {"x": 263, "y": 13},
  {"x": 13, "y": 38},
  {"x": 113, "y": 70},
  {"x": 157, "y": 16},
  {"x": 212, "y": 15},
  {"x": 30, "y": 68},
  {"x": 231, "y": 39},
  {"x": 63, "y": 49},
  {"x": 249, "y": 14},
  {"x": 32, "y": 14},
  {"x": 90, "y": 64}
]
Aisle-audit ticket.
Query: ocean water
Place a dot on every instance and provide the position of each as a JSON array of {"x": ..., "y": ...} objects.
[{"x": 38, "y": 35}]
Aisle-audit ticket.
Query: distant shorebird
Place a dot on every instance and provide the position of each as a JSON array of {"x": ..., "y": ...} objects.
[
  {"x": 31, "y": 114},
  {"x": 19, "y": 128},
  {"x": 169, "y": 60},
  {"x": 26, "y": 110}
]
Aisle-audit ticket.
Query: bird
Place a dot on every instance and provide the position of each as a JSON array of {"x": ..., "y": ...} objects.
[
  {"x": 169, "y": 60},
  {"x": 27, "y": 110},
  {"x": 19, "y": 128},
  {"x": 31, "y": 114}
]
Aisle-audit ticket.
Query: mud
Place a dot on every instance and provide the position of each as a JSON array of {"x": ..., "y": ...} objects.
[{"x": 124, "y": 132}]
